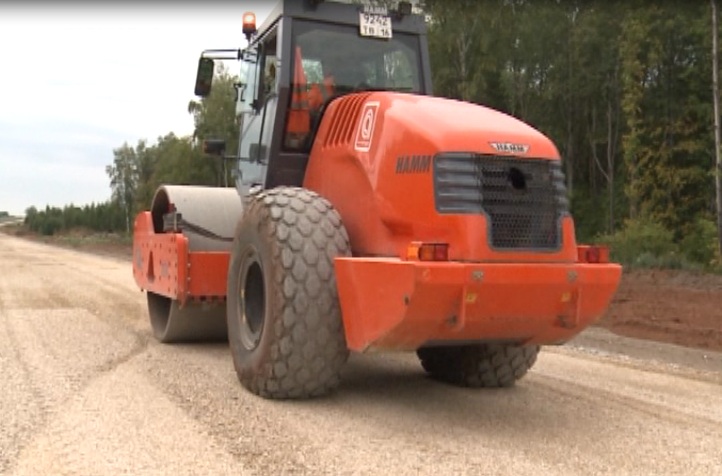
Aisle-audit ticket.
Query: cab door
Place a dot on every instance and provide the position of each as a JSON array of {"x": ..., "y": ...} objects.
[{"x": 256, "y": 110}]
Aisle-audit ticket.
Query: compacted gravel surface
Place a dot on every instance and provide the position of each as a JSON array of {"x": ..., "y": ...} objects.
[{"x": 86, "y": 390}]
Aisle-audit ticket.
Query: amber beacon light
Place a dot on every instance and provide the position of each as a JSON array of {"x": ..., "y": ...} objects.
[{"x": 249, "y": 24}]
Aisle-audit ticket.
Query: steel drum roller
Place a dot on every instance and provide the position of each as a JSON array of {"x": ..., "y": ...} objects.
[{"x": 207, "y": 217}]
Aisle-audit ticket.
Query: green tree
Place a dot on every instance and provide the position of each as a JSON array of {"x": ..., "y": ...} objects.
[
  {"x": 123, "y": 175},
  {"x": 455, "y": 39},
  {"x": 31, "y": 214},
  {"x": 145, "y": 170},
  {"x": 668, "y": 141},
  {"x": 180, "y": 161},
  {"x": 214, "y": 117}
]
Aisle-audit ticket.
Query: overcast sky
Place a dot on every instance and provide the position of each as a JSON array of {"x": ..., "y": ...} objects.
[{"x": 78, "y": 80}]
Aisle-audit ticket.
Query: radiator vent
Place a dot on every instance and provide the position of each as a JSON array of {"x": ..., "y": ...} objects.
[{"x": 523, "y": 199}]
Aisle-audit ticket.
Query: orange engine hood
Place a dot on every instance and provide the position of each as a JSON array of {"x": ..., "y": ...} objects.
[
  {"x": 450, "y": 125},
  {"x": 374, "y": 156}
]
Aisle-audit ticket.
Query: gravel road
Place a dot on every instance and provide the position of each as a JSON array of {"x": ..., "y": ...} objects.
[{"x": 86, "y": 390}]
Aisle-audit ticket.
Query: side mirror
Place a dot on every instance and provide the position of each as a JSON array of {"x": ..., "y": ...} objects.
[
  {"x": 204, "y": 77},
  {"x": 214, "y": 146}
]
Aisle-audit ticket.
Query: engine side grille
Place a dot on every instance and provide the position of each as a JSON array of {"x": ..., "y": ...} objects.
[
  {"x": 523, "y": 199},
  {"x": 343, "y": 126}
]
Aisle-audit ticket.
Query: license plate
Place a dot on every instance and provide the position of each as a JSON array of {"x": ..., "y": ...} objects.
[{"x": 375, "y": 25}]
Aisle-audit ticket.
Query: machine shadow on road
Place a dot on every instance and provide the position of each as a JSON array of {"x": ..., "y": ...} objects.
[
  {"x": 396, "y": 391},
  {"x": 376, "y": 385}
]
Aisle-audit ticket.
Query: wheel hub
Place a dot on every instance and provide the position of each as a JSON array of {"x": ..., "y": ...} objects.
[{"x": 252, "y": 303}]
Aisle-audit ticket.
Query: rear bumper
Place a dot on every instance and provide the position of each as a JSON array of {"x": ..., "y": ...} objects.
[{"x": 391, "y": 304}]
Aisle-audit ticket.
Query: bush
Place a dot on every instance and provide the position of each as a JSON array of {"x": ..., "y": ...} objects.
[
  {"x": 643, "y": 243},
  {"x": 51, "y": 225},
  {"x": 700, "y": 243}
]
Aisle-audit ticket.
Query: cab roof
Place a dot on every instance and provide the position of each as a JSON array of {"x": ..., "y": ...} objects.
[{"x": 337, "y": 13}]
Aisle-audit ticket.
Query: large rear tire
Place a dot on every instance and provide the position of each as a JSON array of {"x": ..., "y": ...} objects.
[
  {"x": 483, "y": 365},
  {"x": 284, "y": 320}
]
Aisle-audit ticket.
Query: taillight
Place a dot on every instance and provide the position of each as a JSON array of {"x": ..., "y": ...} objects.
[
  {"x": 593, "y": 254},
  {"x": 419, "y": 251}
]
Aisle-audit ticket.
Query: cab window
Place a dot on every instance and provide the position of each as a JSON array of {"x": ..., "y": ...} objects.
[{"x": 336, "y": 60}]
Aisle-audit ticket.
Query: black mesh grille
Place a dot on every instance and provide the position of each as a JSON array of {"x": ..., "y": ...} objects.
[{"x": 523, "y": 198}]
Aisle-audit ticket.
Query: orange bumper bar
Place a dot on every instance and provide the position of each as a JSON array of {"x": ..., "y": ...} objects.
[
  {"x": 162, "y": 264},
  {"x": 389, "y": 304}
]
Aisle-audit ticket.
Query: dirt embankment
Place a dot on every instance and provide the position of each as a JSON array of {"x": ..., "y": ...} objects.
[{"x": 676, "y": 307}]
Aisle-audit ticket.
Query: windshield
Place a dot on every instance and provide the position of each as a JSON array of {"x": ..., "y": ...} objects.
[{"x": 337, "y": 54}]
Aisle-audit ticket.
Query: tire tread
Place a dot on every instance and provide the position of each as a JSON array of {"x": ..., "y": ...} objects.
[
  {"x": 308, "y": 347},
  {"x": 479, "y": 366}
]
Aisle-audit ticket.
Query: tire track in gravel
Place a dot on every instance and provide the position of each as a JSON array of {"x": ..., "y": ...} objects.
[
  {"x": 116, "y": 302},
  {"x": 388, "y": 417},
  {"x": 101, "y": 286},
  {"x": 24, "y": 403},
  {"x": 665, "y": 423},
  {"x": 204, "y": 385},
  {"x": 122, "y": 424},
  {"x": 645, "y": 387},
  {"x": 99, "y": 295},
  {"x": 56, "y": 377},
  {"x": 22, "y": 406},
  {"x": 46, "y": 357}
]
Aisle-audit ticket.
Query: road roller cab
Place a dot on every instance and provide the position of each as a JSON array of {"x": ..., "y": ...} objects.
[{"x": 367, "y": 215}]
